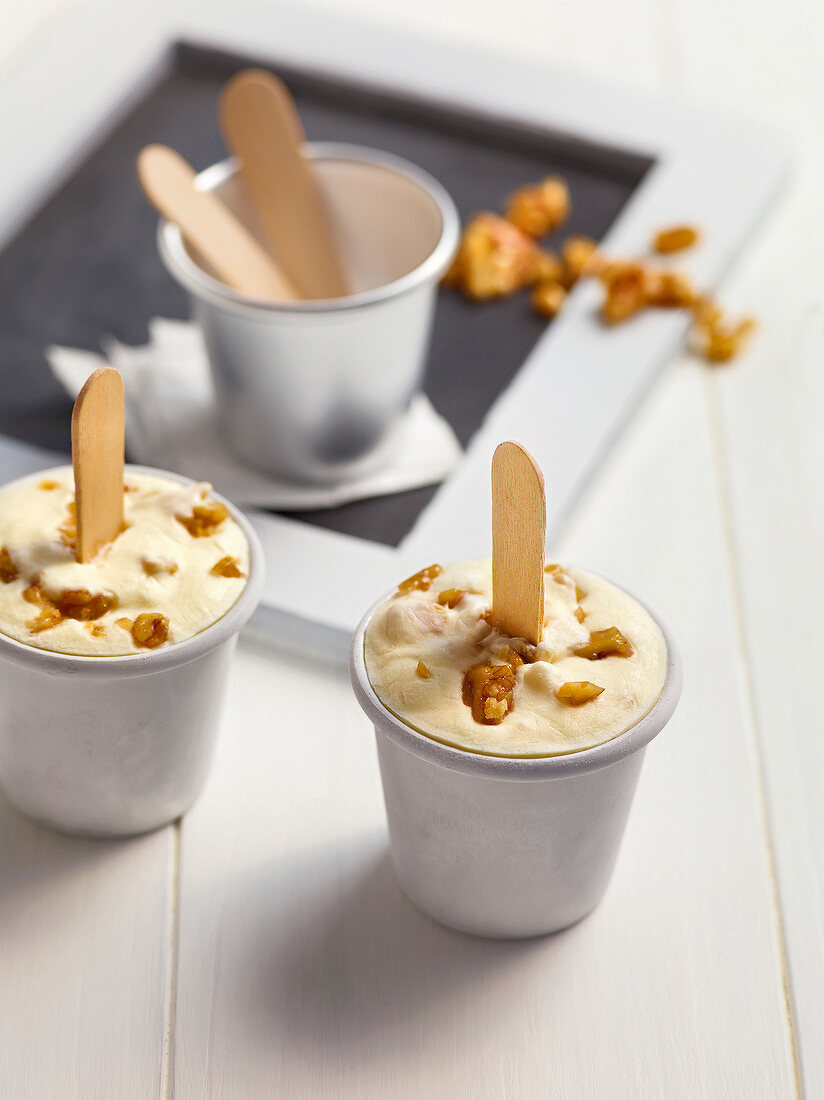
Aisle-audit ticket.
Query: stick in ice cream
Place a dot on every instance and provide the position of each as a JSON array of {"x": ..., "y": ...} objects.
[
  {"x": 98, "y": 450},
  {"x": 518, "y": 541}
]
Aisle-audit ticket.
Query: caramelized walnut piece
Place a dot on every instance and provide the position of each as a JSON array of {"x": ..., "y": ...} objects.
[
  {"x": 487, "y": 690},
  {"x": 494, "y": 259},
  {"x": 226, "y": 567},
  {"x": 48, "y": 486},
  {"x": 580, "y": 256},
  {"x": 539, "y": 209},
  {"x": 669, "y": 290},
  {"x": 205, "y": 519},
  {"x": 713, "y": 338},
  {"x": 67, "y": 531},
  {"x": 580, "y": 614},
  {"x": 420, "y": 581},
  {"x": 8, "y": 570},
  {"x": 548, "y": 267},
  {"x": 423, "y": 671},
  {"x": 97, "y": 630},
  {"x": 81, "y": 604},
  {"x": 674, "y": 238},
  {"x": 125, "y": 624},
  {"x": 626, "y": 287},
  {"x": 605, "y": 643},
  {"x": 153, "y": 566},
  {"x": 451, "y": 597},
  {"x": 150, "y": 630},
  {"x": 547, "y": 298},
  {"x": 576, "y": 692}
]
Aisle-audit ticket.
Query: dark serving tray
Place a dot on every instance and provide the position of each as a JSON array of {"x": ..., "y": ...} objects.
[{"x": 86, "y": 264}]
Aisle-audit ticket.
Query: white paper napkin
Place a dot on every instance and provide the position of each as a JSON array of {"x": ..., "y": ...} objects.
[{"x": 170, "y": 423}]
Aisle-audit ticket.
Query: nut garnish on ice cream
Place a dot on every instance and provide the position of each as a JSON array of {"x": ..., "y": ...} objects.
[
  {"x": 178, "y": 564},
  {"x": 437, "y": 661}
]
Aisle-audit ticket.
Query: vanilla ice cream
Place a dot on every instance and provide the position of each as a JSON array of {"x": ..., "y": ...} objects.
[
  {"x": 437, "y": 662},
  {"x": 178, "y": 565}
]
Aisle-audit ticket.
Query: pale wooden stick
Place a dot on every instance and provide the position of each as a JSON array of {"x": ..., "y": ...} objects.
[
  {"x": 262, "y": 128},
  {"x": 97, "y": 457},
  {"x": 224, "y": 242},
  {"x": 518, "y": 542}
]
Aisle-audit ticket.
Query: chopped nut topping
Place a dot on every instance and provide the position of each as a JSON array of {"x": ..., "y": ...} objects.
[
  {"x": 674, "y": 239},
  {"x": 423, "y": 671},
  {"x": 576, "y": 692},
  {"x": 494, "y": 259},
  {"x": 552, "y": 567},
  {"x": 420, "y": 581},
  {"x": 47, "y": 485},
  {"x": 205, "y": 519},
  {"x": 580, "y": 614},
  {"x": 547, "y": 298},
  {"x": 226, "y": 567},
  {"x": 72, "y": 603},
  {"x": 451, "y": 597},
  {"x": 488, "y": 690},
  {"x": 150, "y": 630},
  {"x": 605, "y": 643},
  {"x": 8, "y": 570},
  {"x": 126, "y": 624},
  {"x": 153, "y": 566},
  {"x": 97, "y": 630},
  {"x": 540, "y": 209}
]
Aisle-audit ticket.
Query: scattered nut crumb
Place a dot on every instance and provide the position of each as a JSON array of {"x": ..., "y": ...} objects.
[
  {"x": 47, "y": 485},
  {"x": 674, "y": 239},
  {"x": 547, "y": 298},
  {"x": 423, "y": 671},
  {"x": 494, "y": 259},
  {"x": 540, "y": 209},
  {"x": 580, "y": 256}
]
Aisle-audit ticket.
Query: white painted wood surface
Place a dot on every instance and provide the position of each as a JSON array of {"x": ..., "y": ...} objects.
[{"x": 302, "y": 971}]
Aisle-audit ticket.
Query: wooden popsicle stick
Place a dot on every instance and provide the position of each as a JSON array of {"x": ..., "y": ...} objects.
[
  {"x": 518, "y": 542},
  {"x": 98, "y": 457},
  {"x": 210, "y": 227},
  {"x": 262, "y": 129}
]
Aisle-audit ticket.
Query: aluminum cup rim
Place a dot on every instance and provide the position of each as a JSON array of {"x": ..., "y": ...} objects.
[
  {"x": 199, "y": 283},
  {"x": 520, "y": 768},
  {"x": 156, "y": 660}
]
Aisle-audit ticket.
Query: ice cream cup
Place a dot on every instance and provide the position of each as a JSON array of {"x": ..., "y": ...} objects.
[
  {"x": 308, "y": 390},
  {"x": 111, "y": 746},
  {"x": 502, "y": 846}
]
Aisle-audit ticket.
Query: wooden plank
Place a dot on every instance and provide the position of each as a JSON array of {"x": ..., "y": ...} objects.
[
  {"x": 303, "y": 970},
  {"x": 769, "y": 409},
  {"x": 83, "y": 932}
]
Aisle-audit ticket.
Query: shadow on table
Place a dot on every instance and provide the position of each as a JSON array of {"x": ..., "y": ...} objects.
[
  {"x": 354, "y": 968},
  {"x": 38, "y": 866}
]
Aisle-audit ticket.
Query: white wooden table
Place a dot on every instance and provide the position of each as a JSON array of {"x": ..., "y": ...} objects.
[{"x": 262, "y": 947}]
